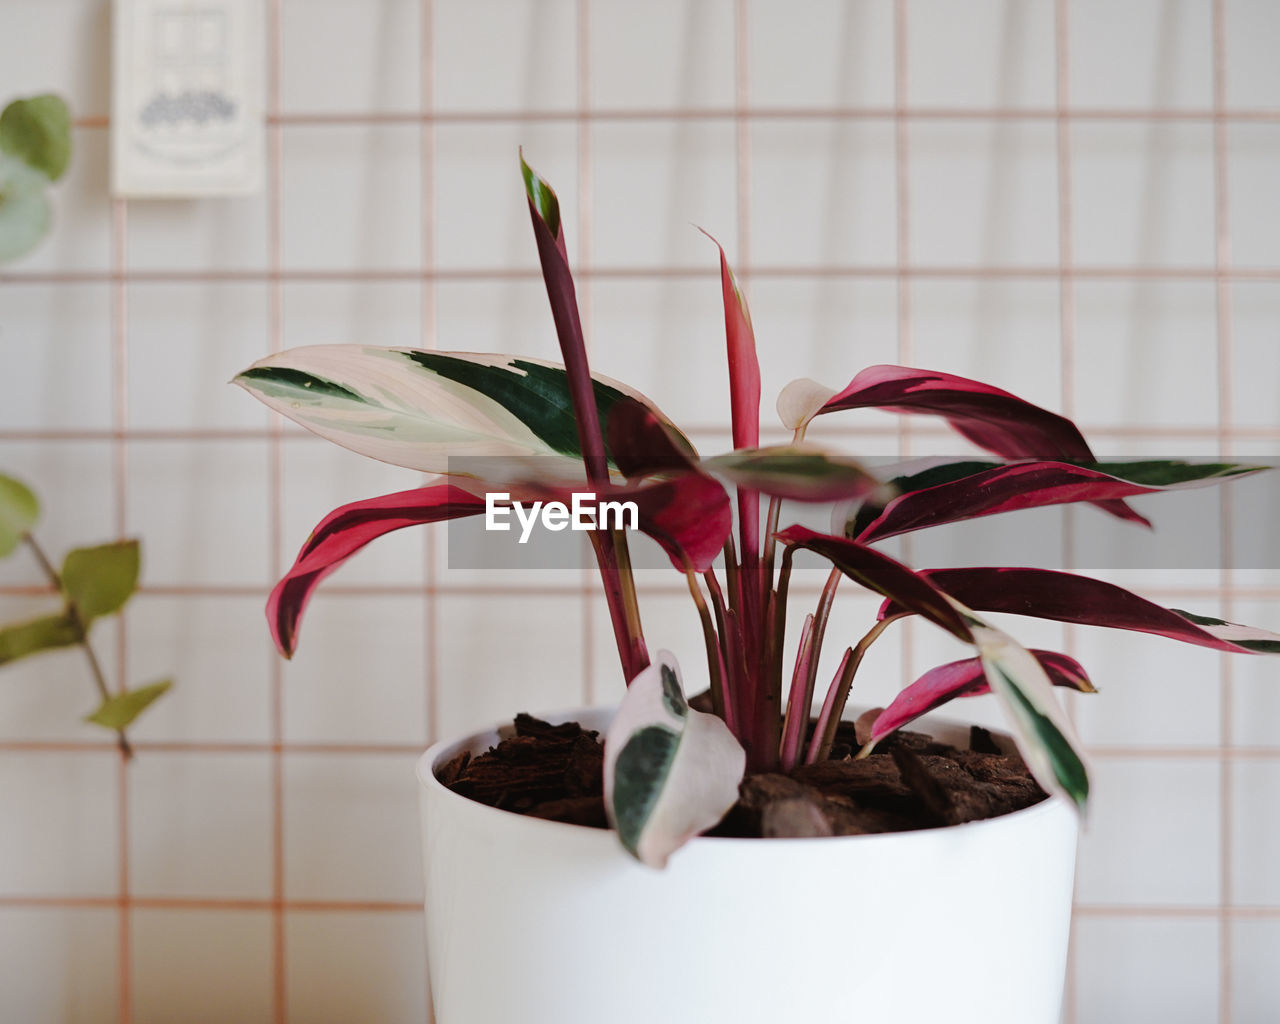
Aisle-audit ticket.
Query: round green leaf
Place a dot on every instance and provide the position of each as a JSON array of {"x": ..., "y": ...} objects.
[
  {"x": 19, "y": 510},
  {"x": 25, "y": 213},
  {"x": 38, "y": 132},
  {"x": 99, "y": 580}
]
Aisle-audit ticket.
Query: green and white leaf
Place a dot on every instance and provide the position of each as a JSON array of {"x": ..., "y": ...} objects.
[
  {"x": 1044, "y": 734},
  {"x": 1261, "y": 641},
  {"x": 417, "y": 408},
  {"x": 46, "y": 633},
  {"x": 118, "y": 712},
  {"x": 670, "y": 772},
  {"x": 800, "y": 472},
  {"x": 25, "y": 213},
  {"x": 37, "y": 131},
  {"x": 19, "y": 510},
  {"x": 99, "y": 580}
]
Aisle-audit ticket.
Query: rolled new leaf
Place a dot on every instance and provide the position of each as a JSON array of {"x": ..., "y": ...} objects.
[
  {"x": 991, "y": 418},
  {"x": 670, "y": 772},
  {"x": 966, "y": 678},
  {"x": 988, "y": 490},
  {"x": 418, "y": 408},
  {"x": 19, "y": 511},
  {"x": 1067, "y": 597}
]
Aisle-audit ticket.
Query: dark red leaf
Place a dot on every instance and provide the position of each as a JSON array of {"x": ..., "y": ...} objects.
[
  {"x": 1066, "y": 597},
  {"x": 884, "y": 575},
  {"x": 989, "y": 417},
  {"x": 1001, "y": 489}
]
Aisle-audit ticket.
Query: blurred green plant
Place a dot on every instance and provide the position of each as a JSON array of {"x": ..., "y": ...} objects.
[
  {"x": 35, "y": 148},
  {"x": 94, "y": 583}
]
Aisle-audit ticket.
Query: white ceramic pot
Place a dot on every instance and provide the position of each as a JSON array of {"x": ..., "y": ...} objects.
[{"x": 536, "y": 922}]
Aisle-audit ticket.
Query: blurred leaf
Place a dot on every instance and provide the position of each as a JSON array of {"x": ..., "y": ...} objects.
[
  {"x": 120, "y": 711},
  {"x": 101, "y": 579},
  {"x": 42, "y": 634},
  {"x": 25, "y": 213},
  {"x": 38, "y": 132},
  {"x": 19, "y": 510}
]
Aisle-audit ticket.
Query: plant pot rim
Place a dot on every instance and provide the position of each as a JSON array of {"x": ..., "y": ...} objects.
[{"x": 597, "y": 718}]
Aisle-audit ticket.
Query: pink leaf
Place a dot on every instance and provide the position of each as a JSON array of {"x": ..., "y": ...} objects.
[
  {"x": 966, "y": 678},
  {"x": 345, "y": 531},
  {"x": 989, "y": 417}
]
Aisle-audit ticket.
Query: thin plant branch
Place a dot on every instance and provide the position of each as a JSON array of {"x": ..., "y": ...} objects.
[{"x": 82, "y": 635}]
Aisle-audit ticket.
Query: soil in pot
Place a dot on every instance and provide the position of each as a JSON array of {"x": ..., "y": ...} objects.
[{"x": 910, "y": 782}]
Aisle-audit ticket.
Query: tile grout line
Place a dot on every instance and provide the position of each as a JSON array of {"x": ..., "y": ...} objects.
[
  {"x": 582, "y": 279},
  {"x": 275, "y": 500},
  {"x": 1066, "y": 369},
  {"x": 430, "y": 340},
  {"x": 1222, "y": 295},
  {"x": 627, "y": 272},
  {"x": 120, "y": 417},
  {"x": 902, "y": 187},
  {"x": 902, "y": 111}
]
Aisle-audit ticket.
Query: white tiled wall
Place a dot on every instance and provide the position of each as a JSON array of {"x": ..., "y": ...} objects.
[{"x": 258, "y": 862}]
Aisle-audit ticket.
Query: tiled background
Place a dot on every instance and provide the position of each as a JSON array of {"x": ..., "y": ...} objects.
[{"x": 1075, "y": 200}]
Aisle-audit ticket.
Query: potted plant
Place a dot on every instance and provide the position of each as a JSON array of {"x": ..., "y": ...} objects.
[{"x": 537, "y": 920}]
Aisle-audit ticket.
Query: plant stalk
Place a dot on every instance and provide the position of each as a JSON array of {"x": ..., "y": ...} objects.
[
  {"x": 715, "y": 660},
  {"x": 824, "y": 733},
  {"x": 82, "y": 635}
]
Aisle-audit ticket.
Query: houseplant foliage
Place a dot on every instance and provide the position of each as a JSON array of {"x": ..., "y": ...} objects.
[
  {"x": 93, "y": 583},
  {"x": 35, "y": 148},
  {"x": 550, "y": 430}
]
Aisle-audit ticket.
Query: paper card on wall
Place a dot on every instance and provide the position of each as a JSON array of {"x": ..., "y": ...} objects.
[{"x": 187, "y": 97}]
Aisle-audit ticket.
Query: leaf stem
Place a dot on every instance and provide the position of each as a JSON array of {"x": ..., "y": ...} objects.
[
  {"x": 715, "y": 660},
  {"x": 82, "y": 634},
  {"x": 824, "y": 734}
]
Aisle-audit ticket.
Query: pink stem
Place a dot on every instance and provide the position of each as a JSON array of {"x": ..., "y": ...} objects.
[
  {"x": 798, "y": 701},
  {"x": 829, "y": 706}
]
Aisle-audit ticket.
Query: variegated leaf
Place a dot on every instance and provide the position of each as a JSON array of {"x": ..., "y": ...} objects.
[
  {"x": 417, "y": 408},
  {"x": 670, "y": 772},
  {"x": 976, "y": 489},
  {"x": 989, "y": 417},
  {"x": 1041, "y": 729},
  {"x": 798, "y": 473}
]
